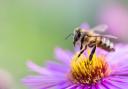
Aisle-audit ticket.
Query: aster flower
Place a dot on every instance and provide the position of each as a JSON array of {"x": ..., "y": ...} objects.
[{"x": 105, "y": 71}]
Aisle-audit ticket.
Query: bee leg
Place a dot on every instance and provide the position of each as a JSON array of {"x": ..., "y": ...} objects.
[
  {"x": 83, "y": 49},
  {"x": 82, "y": 41},
  {"x": 92, "y": 53},
  {"x": 81, "y": 46}
]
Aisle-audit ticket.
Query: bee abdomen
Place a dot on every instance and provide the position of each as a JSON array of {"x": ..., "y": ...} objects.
[{"x": 107, "y": 44}]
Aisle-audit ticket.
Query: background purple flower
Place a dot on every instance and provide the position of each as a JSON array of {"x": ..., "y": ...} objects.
[
  {"x": 116, "y": 17},
  {"x": 85, "y": 26}
]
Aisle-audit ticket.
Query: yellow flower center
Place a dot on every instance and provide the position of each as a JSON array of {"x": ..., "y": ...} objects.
[{"x": 84, "y": 71}]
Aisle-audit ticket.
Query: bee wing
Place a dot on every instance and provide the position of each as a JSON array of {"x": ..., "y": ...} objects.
[
  {"x": 107, "y": 36},
  {"x": 100, "y": 28},
  {"x": 110, "y": 36}
]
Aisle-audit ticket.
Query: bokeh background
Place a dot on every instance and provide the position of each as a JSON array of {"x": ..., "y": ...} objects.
[{"x": 31, "y": 29}]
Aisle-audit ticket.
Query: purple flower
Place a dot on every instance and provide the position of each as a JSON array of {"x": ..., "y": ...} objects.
[
  {"x": 116, "y": 17},
  {"x": 105, "y": 71}
]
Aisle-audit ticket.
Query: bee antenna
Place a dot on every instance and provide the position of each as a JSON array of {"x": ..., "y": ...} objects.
[{"x": 71, "y": 34}]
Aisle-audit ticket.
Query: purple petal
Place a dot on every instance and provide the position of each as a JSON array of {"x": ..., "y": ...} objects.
[
  {"x": 33, "y": 67},
  {"x": 72, "y": 87},
  {"x": 118, "y": 55},
  {"x": 43, "y": 82},
  {"x": 100, "y": 86},
  {"x": 114, "y": 84},
  {"x": 80, "y": 87},
  {"x": 108, "y": 85},
  {"x": 84, "y": 26},
  {"x": 43, "y": 71},
  {"x": 100, "y": 51},
  {"x": 121, "y": 68},
  {"x": 77, "y": 48},
  {"x": 65, "y": 85},
  {"x": 63, "y": 56},
  {"x": 93, "y": 87},
  {"x": 121, "y": 79},
  {"x": 57, "y": 67}
]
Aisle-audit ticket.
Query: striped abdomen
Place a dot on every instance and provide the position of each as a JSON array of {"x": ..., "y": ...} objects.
[{"x": 106, "y": 44}]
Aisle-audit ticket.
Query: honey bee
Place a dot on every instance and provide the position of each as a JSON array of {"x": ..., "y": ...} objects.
[{"x": 89, "y": 38}]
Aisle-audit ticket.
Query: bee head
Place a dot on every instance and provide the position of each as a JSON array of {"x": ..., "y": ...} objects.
[{"x": 77, "y": 35}]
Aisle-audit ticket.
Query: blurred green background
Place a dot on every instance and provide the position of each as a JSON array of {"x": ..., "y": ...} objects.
[{"x": 31, "y": 29}]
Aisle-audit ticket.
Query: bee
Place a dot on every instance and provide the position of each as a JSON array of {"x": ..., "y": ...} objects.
[{"x": 90, "y": 38}]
